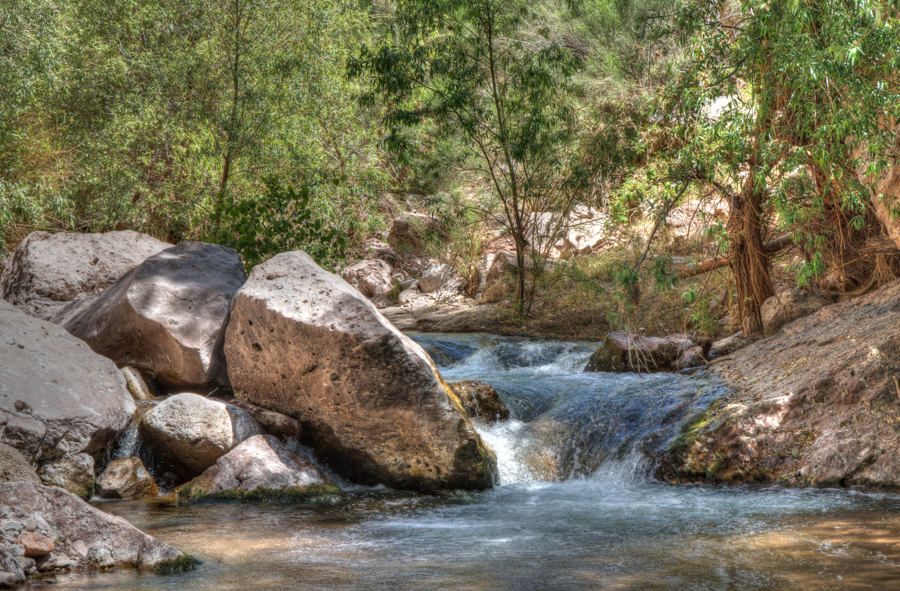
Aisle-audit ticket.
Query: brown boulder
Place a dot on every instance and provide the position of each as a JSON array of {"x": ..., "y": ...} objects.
[
  {"x": 35, "y": 544},
  {"x": 305, "y": 343},
  {"x": 480, "y": 400},
  {"x": 261, "y": 469},
  {"x": 126, "y": 478},
  {"x": 48, "y": 271},
  {"x": 167, "y": 316},
  {"x": 624, "y": 351}
]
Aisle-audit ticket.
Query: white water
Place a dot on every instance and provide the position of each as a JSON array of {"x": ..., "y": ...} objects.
[{"x": 577, "y": 509}]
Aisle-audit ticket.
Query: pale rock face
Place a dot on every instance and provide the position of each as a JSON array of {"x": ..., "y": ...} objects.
[
  {"x": 190, "y": 432},
  {"x": 261, "y": 468},
  {"x": 48, "y": 271},
  {"x": 167, "y": 316},
  {"x": 105, "y": 539},
  {"x": 435, "y": 277},
  {"x": 57, "y": 397},
  {"x": 74, "y": 473},
  {"x": 372, "y": 277},
  {"x": 305, "y": 343}
]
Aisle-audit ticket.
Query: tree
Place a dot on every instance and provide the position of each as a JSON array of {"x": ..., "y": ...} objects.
[
  {"x": 805, "y": 85},
  {"x": 461, "y": 65}
]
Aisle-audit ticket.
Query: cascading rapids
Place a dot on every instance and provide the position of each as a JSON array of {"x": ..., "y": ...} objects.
[{"x": 566, "y": 423}]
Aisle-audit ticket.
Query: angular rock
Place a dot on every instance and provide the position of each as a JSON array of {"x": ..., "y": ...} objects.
[
  {"x": 137, "y": 387},
  {"x": 57, "y": 397},
  {"x": 261, "y": 469},
  {"x": 692, "y": 358},
  {"x": 110, "y": 540},
  {"x": 271, "y": 422},
  {"x": 11, "y": 574},
  {"x": 788, "y": 306},
  {"x": 480, "y": 400},
  {"x": 126, "y": 478},
  {"x": 14, "y": 467},
  {"x": 49, "y": 270},
  {"x": 305, "y": 343},
  {"x": 35, "y": 544},
  {"x": 407, "y": 295},
  {"x": 624, "y": 351},
  {"x": 730, "y": 344},
  {"x": 434, "y": 277},
  {"x": 74, "y": 473},
  {"x": 371, "y": 277},
  {"x": 381, "y": 301},
  {"x": 167, "y": 316},
  {"x": 190, "y": 432}
]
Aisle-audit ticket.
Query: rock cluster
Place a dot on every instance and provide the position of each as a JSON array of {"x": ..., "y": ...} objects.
[
  {"x": 46, "y": 529},
  {"x": 305, "y": 343}
]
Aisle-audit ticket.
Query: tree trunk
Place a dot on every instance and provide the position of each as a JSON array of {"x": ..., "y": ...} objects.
[
  {"x": 520, "y": 275},
  {"x": 748, "y": 258}
]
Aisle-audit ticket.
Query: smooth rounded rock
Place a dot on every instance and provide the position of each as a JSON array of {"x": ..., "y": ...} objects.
[
  {"x": 305, "y": 343},
  {"x": 190, "y": 432}
]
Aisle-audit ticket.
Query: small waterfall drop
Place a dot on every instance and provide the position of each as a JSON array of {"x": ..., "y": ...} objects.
[{"x": 566, "y": 423}]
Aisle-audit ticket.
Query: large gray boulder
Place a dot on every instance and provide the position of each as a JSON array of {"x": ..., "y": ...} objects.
[
  {"x": 788, "y": 306},
  {"x": 57, "y": 397},
  {"x": 48, "y": 271},
  {"x": 261, "y": 469},
  {"x": 84, "y": 535},
  {"x": 167, "y": 316},
  {"x": 190, "y": 432},
  {"x": 305, "y": 343}
]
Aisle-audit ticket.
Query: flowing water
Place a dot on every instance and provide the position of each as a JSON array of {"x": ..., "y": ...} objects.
[{"x": 577, "y": 506}]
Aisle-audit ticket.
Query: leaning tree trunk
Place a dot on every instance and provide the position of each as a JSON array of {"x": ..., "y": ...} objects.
[
  {"x": 748, "y": 258},
  {"x": 520, "y": 274}
]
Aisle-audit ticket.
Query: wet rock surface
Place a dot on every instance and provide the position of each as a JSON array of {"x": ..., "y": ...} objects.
[
  {"x": 48, "y": 271},
  {"x": 480, "y": 400},
  {"x": 305, "y": 343},
  {"x": 261, "y": 469},
  {"x": 817, "y": 404},
  {"x": 190, "y": 432},
  {"x": 57, "y": 397},
  {"x": 167, "y": 316}
]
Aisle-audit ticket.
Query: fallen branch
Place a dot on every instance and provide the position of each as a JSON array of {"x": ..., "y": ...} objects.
[{"x": 772, "y": 246}]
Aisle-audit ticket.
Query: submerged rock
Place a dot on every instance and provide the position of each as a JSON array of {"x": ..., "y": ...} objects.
[
  {"x": 167, "y": 316},
  {"x": 57, "y": 397},
  {"x": 126, "y": 478},
  {"x": 788, "y": 306},
  {"x": 817, "y": 404},
  {"x": 624, "y": 351},
  {"x": 48, "y": 271},
  {"x": 261, "y": 469},
  {"x": 74, "y": 525},
  {"x": 480, "y": 401},
  {"x": 305, "y": 343},
  {"x": 190, "y": 432}
]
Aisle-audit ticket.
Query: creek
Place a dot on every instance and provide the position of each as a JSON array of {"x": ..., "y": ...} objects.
[{"x": 577, "y": 507}]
